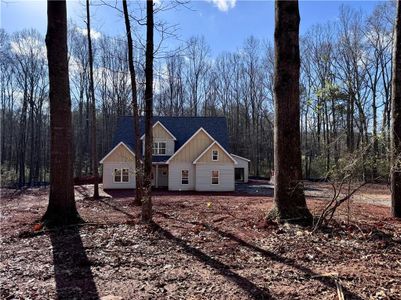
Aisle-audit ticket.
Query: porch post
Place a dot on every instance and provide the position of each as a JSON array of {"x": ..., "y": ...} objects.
[{"x": 157, "y": 176}]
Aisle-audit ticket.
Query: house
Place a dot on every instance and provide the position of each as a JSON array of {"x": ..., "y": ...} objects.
[{"x": 189, "y": 153}]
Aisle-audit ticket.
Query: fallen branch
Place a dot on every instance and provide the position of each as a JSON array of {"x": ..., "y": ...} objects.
[{"x": 328, "y": 212}]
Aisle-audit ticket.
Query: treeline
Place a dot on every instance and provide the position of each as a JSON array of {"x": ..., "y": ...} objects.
[{"x": 345, "y": 95}]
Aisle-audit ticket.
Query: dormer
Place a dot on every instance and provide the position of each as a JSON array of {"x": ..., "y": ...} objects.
[{"x": 163, "y": 141}]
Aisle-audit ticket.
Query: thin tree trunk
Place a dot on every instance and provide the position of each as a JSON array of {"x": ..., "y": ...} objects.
[
  {"x": 93, "y": 108},
  {"x": 135, "y": 110},
  {"x": 396, "y": 120},
  {"x": 147, "y": 197},
  {"x": 81, "y": 139},
  {"x": 61, "y": 209},
  {"x": 289, "y": 198},
  {"x": 22, "y": 142}
]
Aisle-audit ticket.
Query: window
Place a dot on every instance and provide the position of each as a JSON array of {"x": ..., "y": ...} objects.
[
  {"x": 121, "y": 175},
  {"x": 117, "y": 175},
  {"x": 159, "y": 148},
  {"x": 184, "y": 177},
  {"x": 125, "y": 176},
  {"x": 162, "y": 148},
  {"x": 215, "y": 155},
  {"x": 215, "y": 177}
]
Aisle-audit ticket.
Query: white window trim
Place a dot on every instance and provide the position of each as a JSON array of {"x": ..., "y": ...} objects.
[
  {"x": 158, "y": 148},
  {"x": 187, "y": 177},
  {"x": 217, "y": 159},
  {"x": 121, "y": 170},
  {"x": 218, "y": 177}
]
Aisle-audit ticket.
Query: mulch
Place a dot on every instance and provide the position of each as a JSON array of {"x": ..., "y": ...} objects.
[{"x": 201, "y": 246}]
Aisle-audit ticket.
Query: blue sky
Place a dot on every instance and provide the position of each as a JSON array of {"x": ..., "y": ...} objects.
[{"x": 224, "y": 23}]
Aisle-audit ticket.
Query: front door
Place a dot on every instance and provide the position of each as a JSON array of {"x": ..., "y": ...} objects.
[{"x": 162, "y": 176}]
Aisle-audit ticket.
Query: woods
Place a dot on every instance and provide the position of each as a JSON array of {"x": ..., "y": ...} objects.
[
  {"x": 135, "y": 108},
  {"x": 345, "y": 95},
  {"x": 272, "y": 171}
]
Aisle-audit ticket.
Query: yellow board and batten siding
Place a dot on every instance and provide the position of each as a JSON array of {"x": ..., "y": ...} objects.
[
  {"x": 193, "y": 149},
  {"x": 205, "y": 165},
  {"x": 120, "y": 154},
  {"x": 207, "y": 156},
  {"x": 161, "y": 135},
  {"x": 183, "y": 160},
  {"x": 119, "y": 158}
]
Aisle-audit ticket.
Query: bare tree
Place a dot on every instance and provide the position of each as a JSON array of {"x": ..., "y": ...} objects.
[
  {"x": 396, "y": 120},
  {"x": 197, "y": 69},
  {"x": 135, "y": 110},
  {"x": 61, "y": 209},
  {"x": 93, "y": 107},
  {"x": 147, "y": 197},
  {"x": 289, "y": 198}
]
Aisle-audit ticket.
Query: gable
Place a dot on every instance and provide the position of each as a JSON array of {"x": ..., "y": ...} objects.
[
  {"x": 160, "y": 132},
  {"x": 193, "y": 148},
  {"x": 206, "y": 156},
  {"x": 120, "y": 153},
  {"x": 182, "y": 128}
]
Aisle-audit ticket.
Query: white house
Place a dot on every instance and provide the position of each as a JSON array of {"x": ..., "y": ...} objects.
[{"x": 189, "y": 153}]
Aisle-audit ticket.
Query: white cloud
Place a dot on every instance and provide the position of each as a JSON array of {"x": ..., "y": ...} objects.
[
  {"x": 27, "y": 46},
  {"x": 94, "y": 34},
  {"x": 224, "y": 5}
]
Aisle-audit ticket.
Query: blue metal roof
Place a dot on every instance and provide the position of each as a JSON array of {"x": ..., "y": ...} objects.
[{"x": 181, "y": 127}]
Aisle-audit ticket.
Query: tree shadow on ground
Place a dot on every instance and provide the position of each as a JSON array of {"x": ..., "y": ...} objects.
[
  {"x": 327, "y": 281},
  {"x": 116, "y": 208},
  {"x": 73, "y": 275},
  {"x": 247, "y": 286}
]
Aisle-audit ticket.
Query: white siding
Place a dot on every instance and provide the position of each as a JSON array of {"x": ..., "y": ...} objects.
[
  {"x": 242, "y": 163},
  {"x": 174, "y": 176},
  {"x": 204, "y": 177},
  {"x": 108, "y": 175}
]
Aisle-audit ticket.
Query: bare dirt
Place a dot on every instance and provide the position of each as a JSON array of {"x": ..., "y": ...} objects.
[{"x": 202, "y": 246}]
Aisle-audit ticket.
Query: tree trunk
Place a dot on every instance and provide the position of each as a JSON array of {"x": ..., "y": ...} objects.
[
  {"x": 93, "y": 108},
  {"x": 61, "y": 209},
  {"x": 147, "y": 197},
  {"x": 396, "y": 120},
  {"x": 22, "y": 142},
  {"x": 289, "y": 198},
  {"x": 135, "y": 110}
]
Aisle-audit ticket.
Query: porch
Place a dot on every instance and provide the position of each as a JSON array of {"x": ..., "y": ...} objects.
[{"x": 160, "y": 175}]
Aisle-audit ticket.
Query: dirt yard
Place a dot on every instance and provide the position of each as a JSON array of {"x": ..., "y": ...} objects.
[{"x": 202, "y": 246}]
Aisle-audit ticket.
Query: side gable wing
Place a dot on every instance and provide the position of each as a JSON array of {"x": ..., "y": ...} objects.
[
  {"x": 119, "y": 153},
  {"x": 223, "y": 155}
]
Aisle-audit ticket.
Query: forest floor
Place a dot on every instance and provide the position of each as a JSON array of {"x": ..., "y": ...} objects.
[{"x": 201, "y": 246}]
